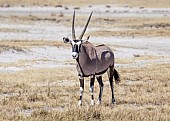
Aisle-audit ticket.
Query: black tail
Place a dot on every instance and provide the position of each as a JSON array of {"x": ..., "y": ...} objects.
[{"x": 116, "y": 76}]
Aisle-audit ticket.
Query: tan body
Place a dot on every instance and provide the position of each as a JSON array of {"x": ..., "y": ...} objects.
[{"x": 94, "y": 60}]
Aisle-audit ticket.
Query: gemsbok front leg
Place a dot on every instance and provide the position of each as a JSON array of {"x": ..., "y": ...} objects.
[
  {"x": 81, "y": 79},
  {"x": 101, "y": 85},
  {"x": 92, "y": 79}
]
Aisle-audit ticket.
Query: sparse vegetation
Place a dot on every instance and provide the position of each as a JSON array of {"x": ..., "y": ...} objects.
[
  {"x": 59, "y": 3},
  {"x": 41, "y": 92},
  {"x": 51, "y": 93}
]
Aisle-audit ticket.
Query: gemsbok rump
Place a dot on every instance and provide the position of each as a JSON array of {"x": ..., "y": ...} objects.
[{"x": 92, "y": 61}]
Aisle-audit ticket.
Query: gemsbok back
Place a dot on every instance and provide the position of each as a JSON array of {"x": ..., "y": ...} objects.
[{"x": 92, "y": 61}]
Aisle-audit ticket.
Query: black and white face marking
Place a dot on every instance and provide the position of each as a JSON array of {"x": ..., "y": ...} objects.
[
  {"x": 75, "y": 48},
  {"x": 76, "y": 44}
]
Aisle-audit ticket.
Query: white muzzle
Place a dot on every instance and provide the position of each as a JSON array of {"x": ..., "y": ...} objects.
[{"x": 74, "y": 55}]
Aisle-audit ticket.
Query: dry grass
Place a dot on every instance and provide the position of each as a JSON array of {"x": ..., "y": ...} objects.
[
  {"x": 145, "y": 3},
  {"x": 33, "y": 43},
  {"x": 132, "y": 27},
  {"x": 62, "y": 3},
  {"x": 21, "y": 63},
  {"x": 11, "y": 30},
  {"x": 134, "y": 33},
  {"x": 137, "y": 58},
  {"x": 122, "y": 23},
  {"x": 26, "y": 45},
  {"x": 53, "y": 2},
  {"x": 51, "y": 94}
]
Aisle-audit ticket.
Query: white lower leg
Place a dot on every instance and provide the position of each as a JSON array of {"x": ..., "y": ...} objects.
[
  {"x": 91, "y": 91},
  {"x": 92, "y": 102},
  {"x": 80, "y": 103},
  {"x": 81, "y": 95},
  {"x": 98, "y": 102},
  {"x": 100, "y": 95}
]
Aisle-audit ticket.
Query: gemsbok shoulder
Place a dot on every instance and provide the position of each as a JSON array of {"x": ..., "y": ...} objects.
[{"x": 92, "y": 61}]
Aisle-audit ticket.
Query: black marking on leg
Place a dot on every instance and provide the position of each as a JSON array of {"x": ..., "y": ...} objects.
[
  {"x": 99, "y": 79},
  {"x": 111, "y": 85},
  {"x": 92, "y": 97},
  {"x": 81, "y": 88},
  {"x": 92, "y": 79},
  {"x": 81, "y": 83},
  {"x": 80, "y": 98}
]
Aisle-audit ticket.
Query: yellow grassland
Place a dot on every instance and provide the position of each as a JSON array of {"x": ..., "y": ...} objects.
[
  {"x": 52, "y": 94},
  {"x": 142, "y": 94},
  {"x": 131, "y": 3},
  {"x": 26, "y": 45}
]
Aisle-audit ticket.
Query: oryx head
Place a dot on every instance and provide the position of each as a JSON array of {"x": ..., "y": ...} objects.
[{"x": 76, "y": 43}]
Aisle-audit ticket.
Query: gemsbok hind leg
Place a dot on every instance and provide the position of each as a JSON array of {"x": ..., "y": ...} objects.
[
  {"x": 92, "y": 79},
  {"x": 81, "y": 79},
  {"x": 110, "y": 75},
  {"x": 101, "y": 85}
]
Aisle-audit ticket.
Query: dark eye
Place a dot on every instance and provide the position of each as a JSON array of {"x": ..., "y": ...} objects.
[{"x": 66, "y": 40}]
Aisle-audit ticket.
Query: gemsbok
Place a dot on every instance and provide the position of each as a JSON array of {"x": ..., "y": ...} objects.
[{"x": 92, "y": 61}]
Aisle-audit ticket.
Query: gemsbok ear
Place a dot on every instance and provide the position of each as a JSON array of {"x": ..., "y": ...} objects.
[
  {"x": 86, "y": 39},
  {"x": 66, "y": 40}
]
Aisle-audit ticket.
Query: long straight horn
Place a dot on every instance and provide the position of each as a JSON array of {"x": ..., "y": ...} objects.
[
  {"x": 73, "y": 30},
  {"x": 81, "y": 36}
]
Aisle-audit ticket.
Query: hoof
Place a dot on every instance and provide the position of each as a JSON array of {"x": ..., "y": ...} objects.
[
  {"x": 99, "y": 102},
  {"x": 113, "y": 101}
]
